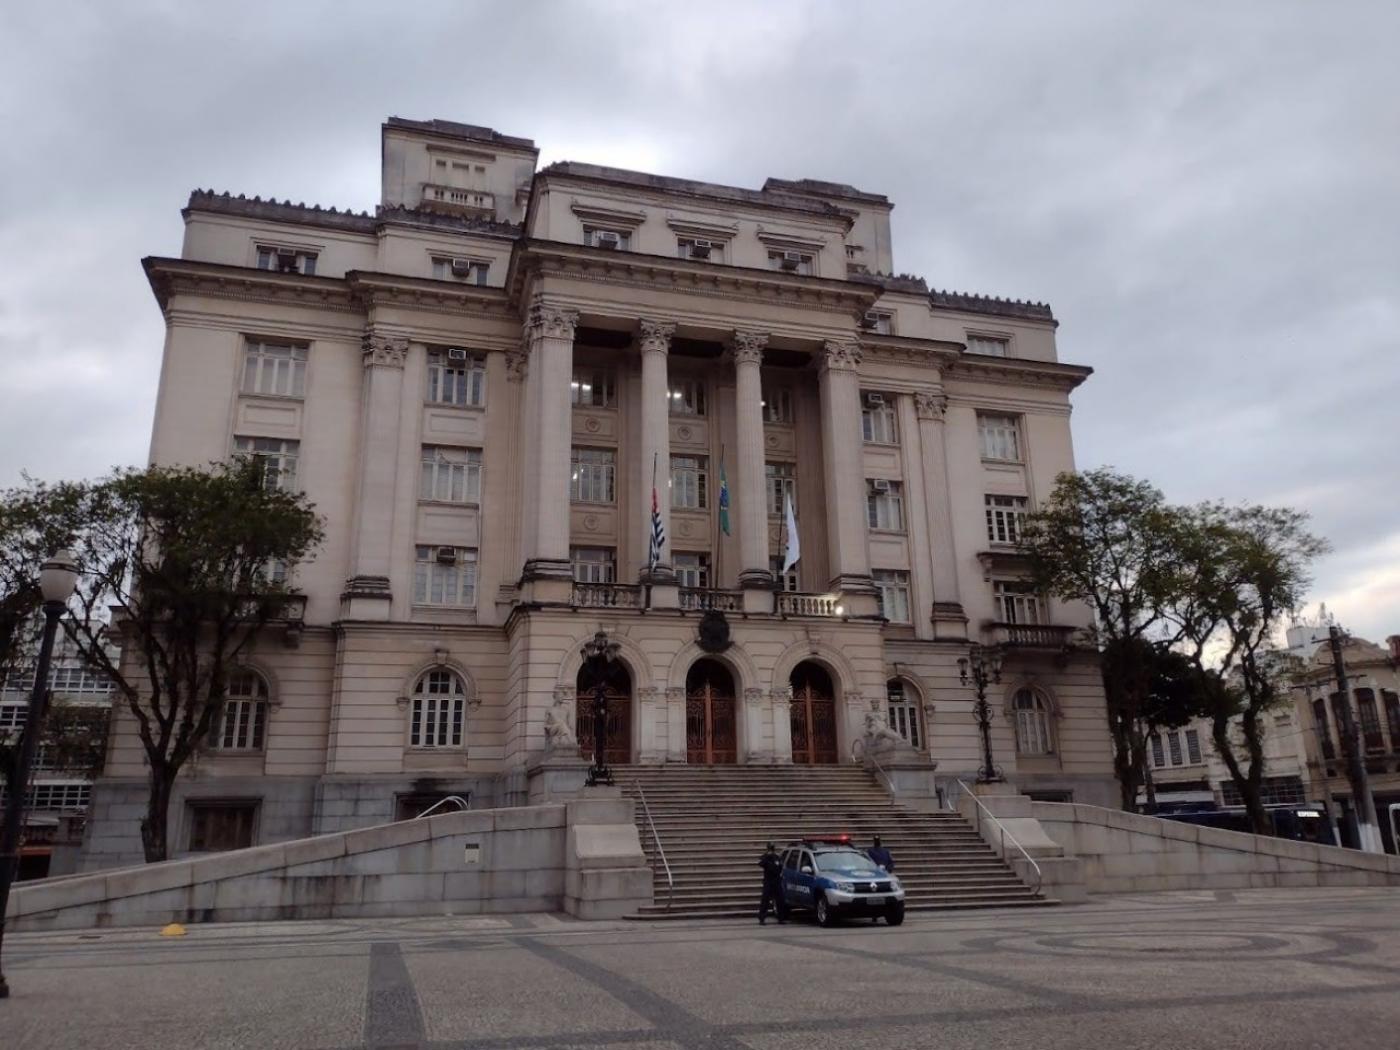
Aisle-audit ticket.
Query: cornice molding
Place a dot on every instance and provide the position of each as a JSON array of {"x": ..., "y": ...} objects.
[
  {"x": 604, "y": 214},
  {"x": 171, "y": 277},
  {"x": 1019, "y": 372},
  {"x": 418, "y": 293}
]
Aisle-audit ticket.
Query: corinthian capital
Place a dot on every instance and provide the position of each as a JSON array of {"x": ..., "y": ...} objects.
[
  {"x": 747, "y": 347},
  {"x": 554, "y": 322},
  {"x": 840, "y": 356},
  {"x": 518, "y": 363},
  {"x": 930, "y": 404},
  {"x": 379, "y": 348},
  {"x": 656, "y": 336}
]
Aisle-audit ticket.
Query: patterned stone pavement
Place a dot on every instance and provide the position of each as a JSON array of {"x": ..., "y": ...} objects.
[{"x": 1280, "y": 969}]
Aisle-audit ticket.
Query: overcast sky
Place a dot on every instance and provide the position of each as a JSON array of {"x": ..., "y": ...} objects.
[{"x": 1208, "y": 194}]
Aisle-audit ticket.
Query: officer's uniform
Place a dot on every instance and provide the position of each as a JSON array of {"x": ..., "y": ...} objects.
[
  {"x": 772, "y": 865},
  {"x": 881, "y": 856}
]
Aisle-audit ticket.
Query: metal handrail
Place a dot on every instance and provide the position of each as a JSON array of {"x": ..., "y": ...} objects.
[
  {"x": 461, "y": 804},
  {"x": 1004, "y": 835},
  {"x": 656, "y": 836},
  {"x": 859, "y": 753}
]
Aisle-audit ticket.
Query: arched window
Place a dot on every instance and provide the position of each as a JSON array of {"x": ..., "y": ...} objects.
[
  {"x": 438, "y": 711},
  {"x": 902, "y": 711},
  {"x": 245, "y": 713},
  {"x": 1032, "y": 723}
]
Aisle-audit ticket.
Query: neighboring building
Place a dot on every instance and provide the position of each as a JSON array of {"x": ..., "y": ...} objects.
[
  {"x": 60, "y": 784},
  {"x": 1187, "y": 771},
  {"x": 481, "y": 385},
  {"x": 1373, "y": 674}
]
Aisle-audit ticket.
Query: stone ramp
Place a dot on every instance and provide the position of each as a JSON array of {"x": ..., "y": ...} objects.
[{"x": 713, "y": 822}]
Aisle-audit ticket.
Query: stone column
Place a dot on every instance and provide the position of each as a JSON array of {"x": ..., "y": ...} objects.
[
  {"x": 757, "y": 750},
  {"x": 655, "y": 462},
  {"x": 750, "y": 494},
  {"x": 782, "y": 726},
  {"x": 848, "y": 552},
  {"x": 675, "y": 725},
  {"x": 949, "y": 620},
  {"x": 549, "y": 339},
  {"x": 367, "y": 592}
]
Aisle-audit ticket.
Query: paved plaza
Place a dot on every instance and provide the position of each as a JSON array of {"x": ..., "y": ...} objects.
[{"x": 1266, "y": 968}]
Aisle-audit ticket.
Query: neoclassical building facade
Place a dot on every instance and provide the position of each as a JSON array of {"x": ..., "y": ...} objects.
[{"x": 483, "y": 384}]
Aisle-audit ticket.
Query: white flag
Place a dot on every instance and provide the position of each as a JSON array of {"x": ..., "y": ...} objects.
[{"x": 793, "y": 550}]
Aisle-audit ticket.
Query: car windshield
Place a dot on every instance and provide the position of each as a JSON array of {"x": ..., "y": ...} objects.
[{"x": 842, "y": 860}]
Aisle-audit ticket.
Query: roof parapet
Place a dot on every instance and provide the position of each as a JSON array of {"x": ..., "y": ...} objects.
[
  {"x": 971, "y": 302},
  {"x": 466, "y": 132}
]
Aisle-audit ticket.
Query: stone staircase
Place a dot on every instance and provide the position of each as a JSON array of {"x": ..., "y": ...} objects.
[{"x": 714, "y": 821}]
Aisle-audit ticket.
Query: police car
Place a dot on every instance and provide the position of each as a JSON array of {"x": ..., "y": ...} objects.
[{"x": 832, "y": 878}]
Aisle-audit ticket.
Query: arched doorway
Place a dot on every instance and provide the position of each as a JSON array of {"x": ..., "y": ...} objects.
[
  {"x": 813, "y": 715},
  {"x": 711, "y": 725},
  {"x": 617, "y": 684}
]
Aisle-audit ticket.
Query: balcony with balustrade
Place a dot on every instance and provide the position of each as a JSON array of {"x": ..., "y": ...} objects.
[
  {"x": 606, "y": 596},
  {"x": 1044, "y": 637},
  {"x": 705, "y": 599},
  {"x": 457, "y": 201}
]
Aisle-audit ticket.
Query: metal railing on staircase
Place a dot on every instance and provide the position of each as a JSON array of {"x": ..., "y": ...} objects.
[
  {"x": 457, "y": 800},
  {"x": 1003, "y": 836},
  {"x": 660, "y": 849}
]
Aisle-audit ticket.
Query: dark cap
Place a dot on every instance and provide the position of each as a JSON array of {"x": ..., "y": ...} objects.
[{"x": 771, "y": 846}]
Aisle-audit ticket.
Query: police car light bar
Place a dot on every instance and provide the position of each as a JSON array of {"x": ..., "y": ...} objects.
[{"x": 843, "y": 840}]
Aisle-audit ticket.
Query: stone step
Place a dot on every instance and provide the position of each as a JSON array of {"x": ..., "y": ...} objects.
[
  {"x": 660, "y": 914},
  {"x": 942, "y": 887}
]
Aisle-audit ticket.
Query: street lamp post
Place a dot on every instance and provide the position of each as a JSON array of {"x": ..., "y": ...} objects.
[
  {"x": 598, "y": 654},
  {"x": 57, "y": 578},
  {"x": 982, "y": 667}
]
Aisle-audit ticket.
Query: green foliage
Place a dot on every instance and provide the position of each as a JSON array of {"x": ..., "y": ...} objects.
[{"x": 35, "y": 521}]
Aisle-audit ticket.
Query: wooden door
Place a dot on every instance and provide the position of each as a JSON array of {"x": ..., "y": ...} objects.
[
  {"x": 711, "y": 732},
  {"x": 813, "y": 720}
]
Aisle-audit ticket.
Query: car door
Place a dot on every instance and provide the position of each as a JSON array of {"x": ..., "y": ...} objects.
[
  {"x": 805, "y": 878},
  {"x": 792, "y": 889}
]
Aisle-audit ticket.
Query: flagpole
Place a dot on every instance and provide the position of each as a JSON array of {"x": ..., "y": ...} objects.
[{"x": 718, "y": 581}]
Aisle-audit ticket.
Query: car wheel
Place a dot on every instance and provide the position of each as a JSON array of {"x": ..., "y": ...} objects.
[
  {"x": 825, "y": 916},
  {"x": 894, "y": 916}
]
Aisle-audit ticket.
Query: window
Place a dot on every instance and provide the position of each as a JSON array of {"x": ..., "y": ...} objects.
[
  {"x": 1005, "y": 514},
  {"x": 687, "y": 397},
  {"x": 286, "y": 260},
  {"x": 903, "y": 713},
  {"x": 1324, "y": 733},
  {"x": 1392, "y": 717},
  {"x": 781, "y": 484},
  {"x": 599, "y": 237},
  {"x": 1017, "y": 602},
  {"x": 276, "y": 571},
  {"x": 690, "y": 482},
  {"x": 1032, "y": 723},
  {"x": 1370, "y": 720},
  {"x": 456, "y": 377},
  {"x": 692, "y": 569},
  {"x": 76, "y": 679},
  {"x": 877, "y": 421},
  {"x": 1193, "y": 746},
  {"x": 786, "y": 581},
  {"x": 277, "y": 457},
  {"x": 468, "y": 271},
  {"x": 451, "y": 475},
  {"x": 1174, "y": 747},
  {"x": 1158, "y": 757},
  {"x": 790, "y": 261},
  {"x": 444, "y": 576},
  {"x": 438, "y": 711},
  {"x": 992, "y": 346},
  {"x": 999, "y": 437},
  {"x": 12, "y": 716},
  {"x": 245, "y": 713},
  {"x": 700, "y": 248},
  {"x": 884, "y": 504},
  {"x": 892, "y": 588},
  {"x": 592, "y": 387},
  {"x": 216, "y": 826},
  {"x": 56, "y": 795},
  {"x": 592, "y": 475},
  {"x": 879, "y": 322},
  {"x": 777, "y": 405},
  {"x": 594, "y": 564},
  {"x": 274, "y": 369}
]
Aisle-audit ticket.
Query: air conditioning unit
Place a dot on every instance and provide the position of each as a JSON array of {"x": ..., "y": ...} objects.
[
  {"x": 700, "y": 249},
  {"x": 874, "y": 400},
  {"x": 791, "y": 260},
  {"x": 871, "y": 320},
  {"x": 880, "y": 485},
  {"x": 607, "y": 239},
  {"x": 286, "y": 260},
  {"x": 456, "y": 353},
  {"x": 461, "y": 267},
  {"x": 447, "y": 556}
]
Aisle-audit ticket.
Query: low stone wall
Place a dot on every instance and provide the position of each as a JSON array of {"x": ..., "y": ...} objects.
[
  {"x": 1127, "y": 852},
  {"x": 583, "y": 857}
]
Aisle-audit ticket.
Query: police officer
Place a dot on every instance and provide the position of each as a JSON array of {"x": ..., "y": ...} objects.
[
  {"x": 879, "y": 855},
  {"x": 772, "y": 866}
]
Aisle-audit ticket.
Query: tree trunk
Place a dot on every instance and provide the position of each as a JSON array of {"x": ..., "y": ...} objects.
[
  {"x": 1127, "y": 766},
  {"x": 155, "y": 825}
]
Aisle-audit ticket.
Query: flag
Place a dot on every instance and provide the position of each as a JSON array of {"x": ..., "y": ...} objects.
[
  {"x": 658, "y": 531},
  {"x": 792, "y": 550},
  {"x": 723, "y": 498}
]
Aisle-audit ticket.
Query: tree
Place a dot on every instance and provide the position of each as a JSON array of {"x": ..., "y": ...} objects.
[
  {"x": 182, "y": 557},
  {"x": 1112, "y": 541},
  {"x": 1176, "y": 690},
  {"x": 1249, "y": 575}
]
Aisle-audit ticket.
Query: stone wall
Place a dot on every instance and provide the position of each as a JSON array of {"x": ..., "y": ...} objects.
[
  {"x": 1129, "y": 853},
  {"x": 583, "y": 857}
]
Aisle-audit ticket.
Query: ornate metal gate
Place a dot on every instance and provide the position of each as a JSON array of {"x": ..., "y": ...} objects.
[
  {"x": 813, "y": 716},
  {"x": 711, "y": 732}
]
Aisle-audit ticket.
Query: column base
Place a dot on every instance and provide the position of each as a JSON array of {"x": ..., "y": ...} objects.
[
  {"x": 547, "y": 569},
  {"x": 661, "y": 573},
  {"x": 949, "y": 620},
  {"x": 664, "y": 595},
  {"x": 366, "y": 598},
  {"x": 756, "y": 579},
  {"x": 851, "y": 583}
]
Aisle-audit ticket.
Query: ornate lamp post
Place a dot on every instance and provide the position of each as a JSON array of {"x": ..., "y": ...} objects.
[
  {"x": 598, "y": 655},
  {"x": 982, "y": 667},
  {"x": 57, "y": 578}
]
